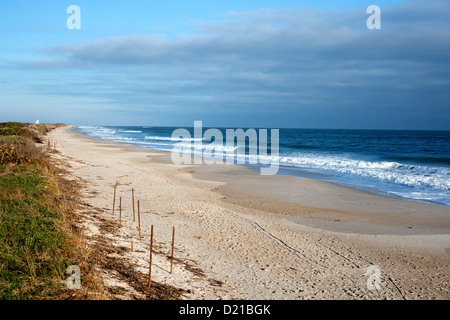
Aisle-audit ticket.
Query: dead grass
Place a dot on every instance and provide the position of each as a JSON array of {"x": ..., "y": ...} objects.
[{"x": 96, "y": 255}]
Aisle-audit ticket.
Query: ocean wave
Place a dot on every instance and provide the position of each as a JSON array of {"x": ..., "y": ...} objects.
[
  {"x": 205, "y": 147},
  {"x": 388, "y": 171},
  {"x": 105, "y": 133},
  {"x": 418, "y": 176},
  {"x": 120, "y": 138},
  {"x": 130, "y": 131},
  {"x": 174, "y": 139}
]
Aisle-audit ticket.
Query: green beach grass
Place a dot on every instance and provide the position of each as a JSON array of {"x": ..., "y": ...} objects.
[{"x": 34, "y": 232}]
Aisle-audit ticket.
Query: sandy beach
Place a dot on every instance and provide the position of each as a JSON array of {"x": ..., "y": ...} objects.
[{"x": 240, "y": 235}]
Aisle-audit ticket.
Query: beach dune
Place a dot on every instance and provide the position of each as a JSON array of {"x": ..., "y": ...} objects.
[{"x": 240, "y": 235}]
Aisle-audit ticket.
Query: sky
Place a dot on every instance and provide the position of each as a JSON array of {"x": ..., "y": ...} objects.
[{"x": 248, "y": 63}]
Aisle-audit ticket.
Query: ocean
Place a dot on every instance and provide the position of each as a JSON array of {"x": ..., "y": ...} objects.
[{"x": 403, "y": 164}]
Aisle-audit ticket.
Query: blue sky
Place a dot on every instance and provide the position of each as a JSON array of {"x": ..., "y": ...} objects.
[{"x": 251, "y": 63}]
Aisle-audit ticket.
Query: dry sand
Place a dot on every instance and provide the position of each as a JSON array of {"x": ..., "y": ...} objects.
[{"x": 240, "y": 235}]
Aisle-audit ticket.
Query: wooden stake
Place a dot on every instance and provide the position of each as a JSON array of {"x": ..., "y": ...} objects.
[
  {"x": 173, "y": 242},
  {"x": 132, "y": 193},
  {"x": 114, "y": 201},
  {"x": 120, "y": 210},
  {"x": 139, "y": 220},
  {"x": 150, "y": 266}
]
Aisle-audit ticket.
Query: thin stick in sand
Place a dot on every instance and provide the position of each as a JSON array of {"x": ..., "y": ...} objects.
[
  {"x": 173, "y": 242},
  {"x": 150, "y": 266},
  {"x": 120, "y": 210},
  {"x": 139, "y": 220},
  {"x": 132, "y": 195},
  {"x": 114, "y": 200}
]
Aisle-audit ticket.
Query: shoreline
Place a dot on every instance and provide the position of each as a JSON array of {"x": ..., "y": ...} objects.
[
  {"x": 224, "y": 173},
  {"x": 301, "y": 172},
  {"x": 310, "y": 233}
]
